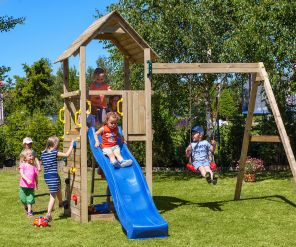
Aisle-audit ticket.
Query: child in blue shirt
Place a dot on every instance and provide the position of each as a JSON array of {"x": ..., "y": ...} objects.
[
  {"x": 199, "y": 150},
  {"x": 52, "y": 179}
]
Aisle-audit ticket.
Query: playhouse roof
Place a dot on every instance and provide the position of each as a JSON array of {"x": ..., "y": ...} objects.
[{"x": 116, "y": 29}]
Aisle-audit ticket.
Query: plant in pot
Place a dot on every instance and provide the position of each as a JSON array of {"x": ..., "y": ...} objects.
[{"x": 252, "y": 166}]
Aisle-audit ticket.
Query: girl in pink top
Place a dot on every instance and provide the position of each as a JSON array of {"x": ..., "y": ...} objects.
[{"x": 28, "y": 180}]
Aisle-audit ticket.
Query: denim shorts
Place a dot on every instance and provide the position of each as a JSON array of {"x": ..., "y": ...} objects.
[
  {"x": 110, "y": 150},
  {"x": 198, "y": 164}
]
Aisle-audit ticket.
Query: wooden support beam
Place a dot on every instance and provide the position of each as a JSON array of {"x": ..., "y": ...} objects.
[
  {"x": 279, "y": 121},
  {"x": 191, "y": 68},
  {"x": 147, "y": 56},
  {"x": 83, "y": 138},
  {"x": 106, "y": 92},
  {"x": 67, "y": 126},
  {"x": 66, "y": 90},
  {"x": 71, "y": 94},
  {"x": 265, "y": 138},
  {"x": 246, "y": 140},
  {"x": 112, "y": 29},
  {"x": 137, "y": 137},
  {"x": 127, "y": 84},
  {"x": 125, "y": 115}
]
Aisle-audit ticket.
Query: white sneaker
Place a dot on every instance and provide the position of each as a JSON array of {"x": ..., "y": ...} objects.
[{"x": 126, "y": 163}]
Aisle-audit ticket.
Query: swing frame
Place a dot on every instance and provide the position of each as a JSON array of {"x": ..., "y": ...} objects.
[{"x": 259, "y": 75}]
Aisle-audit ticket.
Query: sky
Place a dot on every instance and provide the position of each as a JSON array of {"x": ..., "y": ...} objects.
[{"x": 50, "y": 27}]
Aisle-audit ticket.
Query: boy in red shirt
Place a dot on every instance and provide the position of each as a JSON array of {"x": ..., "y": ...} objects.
[{"x": 98, "y": 102}]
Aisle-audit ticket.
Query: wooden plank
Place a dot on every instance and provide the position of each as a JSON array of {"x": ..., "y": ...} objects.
[
  {"x": 246, "y": 140},
  {"x": 136, "y": 53},
  {"x": 72, "y": 132},
  {"x": 123, "y": 38},
  {"x": 125, "y": 115},
  {"x": 75, "y": 177},
  {"x": 126, "y": 42},
  {"x": 66, "y": 170},
  {"x": 75, "y": 212},
  {"x": 137, "y": 138},
  {"x": 122, "y": 49},
  {"x": 83, "y": 139},
  {"x": 130, "y": 121},
  {"x": 126, "y": 70},
  {"x": 107, "y": 217},
  {"x": 66, "y": 89},
  {"x": 265, "y": 138},
  {"x": 70, "y": 163},
  {"x": 112, "y": 29},
  {"x": 67, "y": 144},
  {"x": 77, "y": 158},
  {"x": 148, "y": 124},
  {"x": 106, "y": 92},
  {"x": 279, "y": 122},
  {"x": 136, "y": 114},
  {"x": 135, "y": 36},
  {"x": 131, "y": 46},
  {"x": 142, "y": 113},
  {"x": 183, "y": 68},
  {"x": 71, "y": 94}
]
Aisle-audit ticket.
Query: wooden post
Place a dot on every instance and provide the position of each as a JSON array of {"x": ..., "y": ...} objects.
[
  {"x": 92, "y": 185},
  {"x": 246, "y": 139},
  {"x": 147, "y": 56},
  {"x": 127, "y": 85},
  {"x": 279, "y": 121},
  {"x": 83, "y": 139},
  {"x": 67, "y": 126},
  {"x": 125, "y": 115},
  {"x": 66, "y": 90}
]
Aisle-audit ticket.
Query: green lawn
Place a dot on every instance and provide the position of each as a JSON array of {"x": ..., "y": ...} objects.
[{"x": 197, "y": 214}]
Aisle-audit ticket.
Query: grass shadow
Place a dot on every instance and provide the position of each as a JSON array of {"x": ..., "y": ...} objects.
[
  {"x": 40, "y": 212},
  {"x": 43, "y": 194},
  {"x": 187, "y": 175},
  {"x": 167, "y": 203}
]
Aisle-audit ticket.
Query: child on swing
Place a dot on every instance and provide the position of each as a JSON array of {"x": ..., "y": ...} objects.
[{"x": 199, "y": 150}]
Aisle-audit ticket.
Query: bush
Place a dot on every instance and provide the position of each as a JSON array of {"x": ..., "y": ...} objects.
[{"x": 19, "y": 125}]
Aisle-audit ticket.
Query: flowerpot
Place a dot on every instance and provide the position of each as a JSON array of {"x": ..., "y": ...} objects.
[{"x": 250, "y": 177}]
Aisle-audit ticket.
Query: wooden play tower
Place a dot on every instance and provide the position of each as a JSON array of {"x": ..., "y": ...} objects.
[{"x": 136, "y": 105}]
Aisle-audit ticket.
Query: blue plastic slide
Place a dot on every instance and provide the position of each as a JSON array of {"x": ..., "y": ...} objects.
[{"x": 131, "y": 196}]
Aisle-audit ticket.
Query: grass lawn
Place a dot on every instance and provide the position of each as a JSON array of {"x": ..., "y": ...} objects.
[{"x": 198, "y": 215}]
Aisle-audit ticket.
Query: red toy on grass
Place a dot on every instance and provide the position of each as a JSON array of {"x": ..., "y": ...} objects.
[
  {"x": 192, "y": 168},
  {"x": 40, "y": 222}
]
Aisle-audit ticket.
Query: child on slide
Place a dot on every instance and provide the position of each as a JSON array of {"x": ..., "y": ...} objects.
[
  {"x": 199, "y": 150},
  {"x": 110, "y": 135}
]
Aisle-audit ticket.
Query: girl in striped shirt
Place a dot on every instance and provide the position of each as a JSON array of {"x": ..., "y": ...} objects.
[{"x": 50, "y": 165}]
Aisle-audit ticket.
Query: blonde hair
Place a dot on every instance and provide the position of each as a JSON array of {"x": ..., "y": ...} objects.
[
  {"x": 52, "y": 143},
  {"x": 25, "y": 153},
  {"x": 113, "y": 115}
]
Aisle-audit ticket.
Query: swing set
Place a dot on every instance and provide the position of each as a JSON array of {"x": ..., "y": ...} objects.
[{"x": 258, "y": 75}]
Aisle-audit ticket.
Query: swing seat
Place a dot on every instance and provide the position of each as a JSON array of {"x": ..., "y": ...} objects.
[{"x": 190, "y": 167}]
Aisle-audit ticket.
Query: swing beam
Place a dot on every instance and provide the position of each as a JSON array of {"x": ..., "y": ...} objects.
[{"x": 259, "y": 74}]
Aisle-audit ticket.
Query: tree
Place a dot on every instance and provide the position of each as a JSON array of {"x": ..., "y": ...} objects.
[
  {"x": 6, "y": 24},
  {"x": 32, "y": 90},
  {"x": 210, "y": 31}
]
